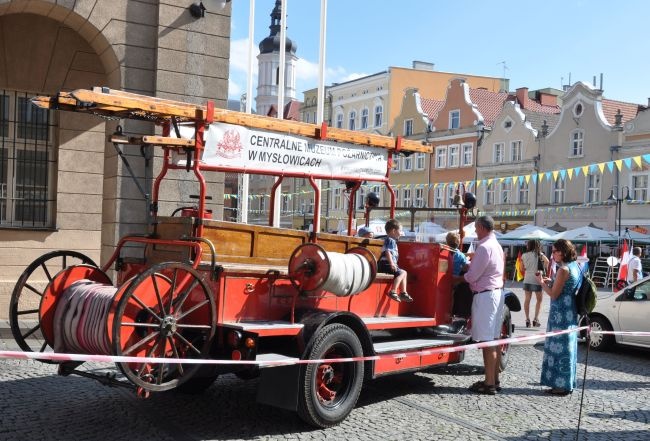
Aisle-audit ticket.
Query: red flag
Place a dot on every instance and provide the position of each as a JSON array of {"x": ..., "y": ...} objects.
[{"x": 625, "y": 258}]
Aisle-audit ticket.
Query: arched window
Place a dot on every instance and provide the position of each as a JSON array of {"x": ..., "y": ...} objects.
[
  {"x": 364, "y": 119},
  {"x": 339, "y": 120},
  {"x": 379, "y": 115}
]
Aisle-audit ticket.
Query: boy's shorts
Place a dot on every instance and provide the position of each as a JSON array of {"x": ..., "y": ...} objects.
[{"x": 384, "y": 267}]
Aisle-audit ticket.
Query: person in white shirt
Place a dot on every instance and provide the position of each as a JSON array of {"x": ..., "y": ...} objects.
[{"x": 634, "y": 270}]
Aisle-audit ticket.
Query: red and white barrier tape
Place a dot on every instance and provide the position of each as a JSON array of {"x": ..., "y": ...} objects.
[
  {"x": 634, "y": 333},
  {"x": 155, "y": 360}
]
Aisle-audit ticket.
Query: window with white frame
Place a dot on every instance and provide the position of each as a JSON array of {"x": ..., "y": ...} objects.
[
  {"x": 285, "y": 203},
  {"x": 515, "y": 151},
  {"x": 468, "y": 153},
  {"x": 441, "y": 157},
  {"x": 364, "y": 119},
  {"x": 406, "y": 197},
  {"x": 523, "y": 191},
  {"x": 352, "y": 120},
  {"x": 408, "y": 127},
  {"x": 454, "y": 155},
  {"x": 419, "y": 161},
  {"x": 408, "y": 163},
  {"x": 640, "y": 187},
  {"x": 396, "y": 161},
  {"x": 451, "y": 191},
  {"x": 577, "y": 140},
  {"x": 454, "y": 119},
  {"x": 499, "y": 153},
  {"x": 339, "y": 120},
  {"x": 557, "y": 195},
  {"x": 419, "y": 198},
  {"x": 361, "y": 198},
  {"x": 396, "y": 196},
  {"x": 379, "y": 115},
  {"x": 311, "y": 205},
  {"x": 336, "y": 202},
  {"x": 489, "y": 193},
  {"x": 593, "y": 187},
  {"x": 27, "y": 163},
  {"x": 262, "y": 203},
  {"x": 438, "y": 197},
  {"x": 505, "y": 192}
]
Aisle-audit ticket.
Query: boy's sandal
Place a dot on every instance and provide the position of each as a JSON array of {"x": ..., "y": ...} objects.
[
  {"x": 536, "y": 323},
  {"x": 481, "y": 388},
  {"x": 393, "y": 295},
  {"x": 497, "y": 386},
  {"x": 405, "y": 297},
  {"x": 527, "y": 323}
]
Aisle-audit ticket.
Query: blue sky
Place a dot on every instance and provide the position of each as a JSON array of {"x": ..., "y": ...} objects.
[{"x": 542, "y": 43}]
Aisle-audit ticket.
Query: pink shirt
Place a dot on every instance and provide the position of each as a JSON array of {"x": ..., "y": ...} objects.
[{"x": 486, "y": 268}]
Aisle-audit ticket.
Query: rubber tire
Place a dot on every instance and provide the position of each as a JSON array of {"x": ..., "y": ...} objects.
[
  {"x": 602, "y": 342},
  {"x": 309, "y": 408},
  {"x": 505, "y": 351}
]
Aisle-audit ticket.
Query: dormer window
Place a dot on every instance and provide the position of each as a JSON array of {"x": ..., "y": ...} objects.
[{"x": 507, "y": 125}]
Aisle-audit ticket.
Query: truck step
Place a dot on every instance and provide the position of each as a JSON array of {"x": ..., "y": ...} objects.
[
  {"x": 407, "y": 345},
  {"x": 264, "y": 359},
  {"x": 375, "y": 323},
  {"x": 267, "y": 328}
]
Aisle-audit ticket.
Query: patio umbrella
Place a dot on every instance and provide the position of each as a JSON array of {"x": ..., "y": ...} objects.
[
  {"x": 632, "y": 235},
  {"x": 536, "y": 233},
  {"x": 585, "y": 234}
]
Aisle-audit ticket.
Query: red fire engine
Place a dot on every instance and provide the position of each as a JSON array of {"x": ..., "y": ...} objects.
[{"x": 210, "y": 289}]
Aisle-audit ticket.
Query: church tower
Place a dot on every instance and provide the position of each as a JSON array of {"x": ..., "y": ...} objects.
[{"x": 269, "y": 67}]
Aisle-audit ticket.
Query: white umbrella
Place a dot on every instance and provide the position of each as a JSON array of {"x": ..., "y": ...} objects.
[
  {"x": 427, "y": 231},
  {"x": 632, "y": 235},
  {"x": 470, "y": 234},
  {"x": 528, "y": 234},
  {"x": 585, "y": 234}
]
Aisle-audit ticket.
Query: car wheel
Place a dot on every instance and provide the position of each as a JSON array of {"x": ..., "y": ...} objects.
[{"x": 598, "y": 341}]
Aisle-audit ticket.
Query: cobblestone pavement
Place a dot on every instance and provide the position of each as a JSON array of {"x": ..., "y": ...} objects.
[{"x": 37, "y": 404}]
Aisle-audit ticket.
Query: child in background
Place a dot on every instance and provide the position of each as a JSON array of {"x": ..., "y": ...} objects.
[{"x": 388, "y": 263}]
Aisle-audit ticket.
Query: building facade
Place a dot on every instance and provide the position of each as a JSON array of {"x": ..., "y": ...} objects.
[{"x": 62, "y": 185}]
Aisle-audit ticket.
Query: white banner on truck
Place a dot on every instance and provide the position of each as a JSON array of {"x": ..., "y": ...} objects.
[{"x": 229, "y": 145}]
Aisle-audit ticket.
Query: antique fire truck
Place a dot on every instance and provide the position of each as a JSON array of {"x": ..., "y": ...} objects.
[{"x": 274, "y": 298}]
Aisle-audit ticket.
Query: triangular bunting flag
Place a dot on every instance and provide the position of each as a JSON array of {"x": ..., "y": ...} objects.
[
  {"x": 646, "y": 157},
  {"x": 534, "y": 177},
  {"x": 628, "y": 162},
  {"x": 577, "y": 171},
  {"x": 610, "y": 166},
  {"x": 527, "y": 179},
  {"x": 637, "y": 161},
  {"x": 570, "y": 173},
  {"x": 555, "y": 173},
  {"x": 601, "y": 166},
  {"x": 619, "y": 164},
  {"x": 563, "y": 174},
  {"x": 585, "y": 170}
]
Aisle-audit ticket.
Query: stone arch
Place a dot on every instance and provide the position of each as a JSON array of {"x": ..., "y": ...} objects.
[{"x": 46, "y": 48}]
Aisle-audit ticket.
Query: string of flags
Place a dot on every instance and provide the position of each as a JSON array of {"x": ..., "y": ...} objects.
[{"x": 473, "y": 185}]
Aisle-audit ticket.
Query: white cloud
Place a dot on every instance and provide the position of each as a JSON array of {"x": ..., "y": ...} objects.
[{"x": 306, "y": 71}]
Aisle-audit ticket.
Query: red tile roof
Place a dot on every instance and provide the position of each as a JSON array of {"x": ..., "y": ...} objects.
[
  {"x": 431, "y": 107},
  {"x": 489, "y": 103},
  {"x": 291, "y": 110},
  {"x": 628, "y": 110},
  {"x": 537, "y": 107}
]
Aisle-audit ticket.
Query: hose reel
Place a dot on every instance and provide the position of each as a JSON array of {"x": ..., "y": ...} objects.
[{"x": 312, "y": 268}]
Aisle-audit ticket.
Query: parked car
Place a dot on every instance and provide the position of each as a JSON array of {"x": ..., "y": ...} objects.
[{"x": 624, "y": 310}]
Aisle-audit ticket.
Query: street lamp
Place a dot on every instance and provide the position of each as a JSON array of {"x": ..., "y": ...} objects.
[{"x": 614, "y": 197}]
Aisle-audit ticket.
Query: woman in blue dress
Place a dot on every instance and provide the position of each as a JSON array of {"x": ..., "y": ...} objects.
[{"x": 561, "y": 352}]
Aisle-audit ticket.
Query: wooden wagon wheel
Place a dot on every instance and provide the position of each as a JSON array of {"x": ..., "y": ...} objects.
[
  {"x": 167, "y": 312},
  {"x": 26, "y": 298}
]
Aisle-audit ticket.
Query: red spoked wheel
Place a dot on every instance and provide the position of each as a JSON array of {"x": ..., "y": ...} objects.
[
  {"x": 166, "y": 312},
  {"x": 330, "y": 391},
  {"x": 28, "y": 293}
]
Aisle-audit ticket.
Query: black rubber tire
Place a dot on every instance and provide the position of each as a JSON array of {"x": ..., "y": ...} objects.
[
  {"x": 19, "y": 294},
  {"x": 506, "y": 332},
  {"x": 333, "y": 341},
  {"x": 600, "y": 342}
]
